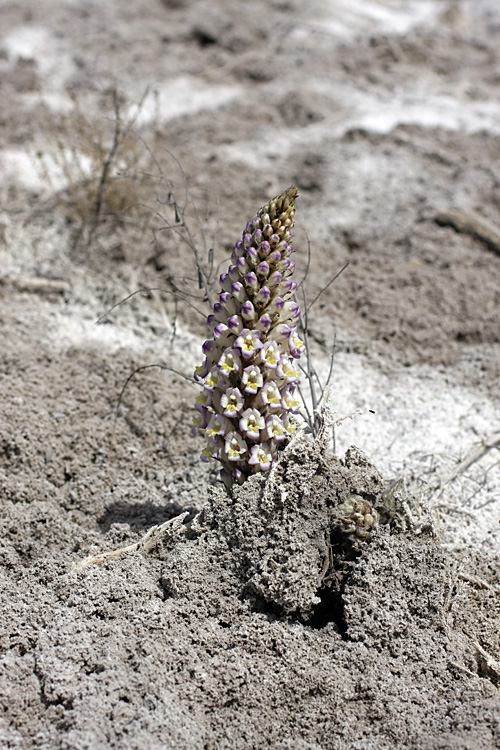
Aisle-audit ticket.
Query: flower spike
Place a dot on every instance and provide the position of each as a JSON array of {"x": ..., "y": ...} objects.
[{"x": 248, "y": 407}]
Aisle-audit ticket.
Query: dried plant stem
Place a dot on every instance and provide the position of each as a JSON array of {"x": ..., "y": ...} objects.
[
  {"x": 476, "y": 581},
  {"x": 176, "y": 293},
  {"x": 489, "y": 667},
  {"x": 108, "y": 161},
  {"x": 164, "y": 532},
  {"x": 120, "y": 131},
  {"x": 476, "y": 455},
  {"x": 468, "y": 222},
  {"x": 308, "y": 369}
]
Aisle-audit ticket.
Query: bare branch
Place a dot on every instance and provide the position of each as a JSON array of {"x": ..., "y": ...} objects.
[
  {"x": 321, "y": 291},
  {"x": 476, "y": 455},
  {"x": 164, "y": 532},
  {"x": 175, "y": 293}
]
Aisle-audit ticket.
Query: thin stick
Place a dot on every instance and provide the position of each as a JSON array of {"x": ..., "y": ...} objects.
[
  {"x": 476, "y": 455},
  {"x": 132, "y": 375},
  {"x": 334, "y": 278},
  {"x": 147, "y": 367},
  {"x": 180, "y": 223},
  {"x": 476, "y": 581},
  {"x": 468, "y": 222},
  {"x": 120, "y": 132},
  {"x": 330, "y": 371},
  {"x": 169, "y": 529},
  {"x": 175, "y": 292}
]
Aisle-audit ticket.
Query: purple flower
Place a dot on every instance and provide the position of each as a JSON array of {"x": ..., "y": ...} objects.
[
  {"x": 286, "y": 370},
  {"x": 252, "y": 379},
  {"x": 290, "y": 285},
  {"x": 275, "y": 429},
  {"x": 270, "y": 395},
  {"x": 295, "y": 344},
  {"x": 251, "y": 423},
  {"x": 270, "y": 355},
  {"x": 249, "y": 342},
  {"x": 230, "y": 362},
  {"x": 218, "y": 425},
  {"x": 235, "y": 446},
  {"x": 231, "y": 402},
  {"x": 274, "y": 280},
  {"x": 289, "y": 401},
  {"x": 261, "y": 456},
  {"x": 219, "y": 330}
]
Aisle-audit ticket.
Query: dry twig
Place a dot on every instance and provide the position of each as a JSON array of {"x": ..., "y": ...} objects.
[
  {"x": 165, "y": 531},
  {"x": 468, "y": 222},
  {"x": 474, "y": 456}
]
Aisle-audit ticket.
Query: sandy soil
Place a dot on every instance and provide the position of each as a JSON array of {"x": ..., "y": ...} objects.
[{"x": 134, "y": 142}]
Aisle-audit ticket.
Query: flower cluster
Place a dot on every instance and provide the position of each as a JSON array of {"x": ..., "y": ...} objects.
[
  {"x": 358, "y": 517},
  {"x": 249, "y": 403}
]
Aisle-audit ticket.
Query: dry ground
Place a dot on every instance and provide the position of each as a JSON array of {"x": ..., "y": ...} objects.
[{"x": 131, "y": 137}]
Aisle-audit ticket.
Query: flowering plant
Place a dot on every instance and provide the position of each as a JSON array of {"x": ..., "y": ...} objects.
[{"x": 248, "y": 405}]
